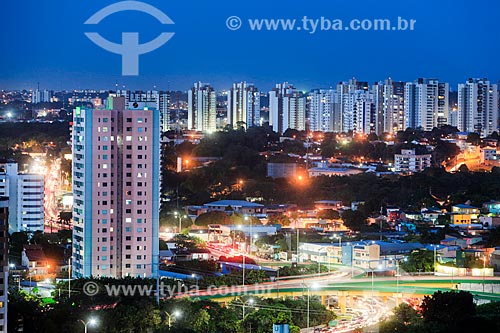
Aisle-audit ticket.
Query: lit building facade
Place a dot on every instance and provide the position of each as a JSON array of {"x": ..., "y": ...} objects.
[
  {"x": 243, "y": 105},
  {"x": 116, "y": 189},
  {"x": 26, "y": 198},
  {"x": 287, "y": 108},
  {"x": 321, "y": 107},
  {"x": 4, "y": 261},
  {"x": 409, "y": 161},
  {"x": 477, "y": 106},
  {"x": 202, "y": 108},
  {"x": 426, "y": 104}
]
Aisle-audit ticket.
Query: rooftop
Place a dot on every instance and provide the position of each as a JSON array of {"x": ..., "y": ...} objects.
[{"x": 234, "y": 203}]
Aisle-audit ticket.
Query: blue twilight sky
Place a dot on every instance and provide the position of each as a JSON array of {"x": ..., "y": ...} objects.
[{"x": 43, "y": 41}]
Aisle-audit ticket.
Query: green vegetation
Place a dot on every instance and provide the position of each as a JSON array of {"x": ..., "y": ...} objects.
[
  {"x": 295, "y": 270},
  {"x": 419, "y": 261},
  {"x": 444, "y": 312},
  {"x": 32, "y": 137},
  {"x": 141, "y": 313}
]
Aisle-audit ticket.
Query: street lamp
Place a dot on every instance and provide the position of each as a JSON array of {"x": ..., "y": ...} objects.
[
  {"x": 298, "y": 254},
  {"x": 244, "y": 303},
  {"x": 86, "y": 324},
  {"x": 398, "y": 274},
  {"x": 484, "y": 267},
  {"x": 434, "y": 246},
  {"x": 372, "y": 270},
  {"x": 309, "y": 287},
  {"x": 196, "y": 280},
  {"x": 180, "y": 217},
  {"x": 174, "y": 315}
]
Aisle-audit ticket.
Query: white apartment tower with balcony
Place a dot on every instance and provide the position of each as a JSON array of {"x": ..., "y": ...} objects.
[
  {"x": 287, "y": 108},
  {"x": 389, "y": 101},
  {"x": 321, "y": 105},
  {"x": 410, "y": 161},
  {"x": 477, "y": 106},
  {"x": 202, "y": 108},
  {"x": 426, "y": 104},
  {"x": 243, "y": 105},
  {"x": 26, "y": 193}
]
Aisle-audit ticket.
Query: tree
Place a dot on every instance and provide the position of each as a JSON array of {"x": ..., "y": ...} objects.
[
  {"x": 447, "y": 311},
  {"x": 354, "y": 219},
  {"x": 25, "y": 311},
  {"x": 372, "y": 137},
  {"x": 419, "y": 261},
  {"x": 444, "y": 151},
  {"x": 200, "y": 321},
  {"x": 262, "y": 320},
  {"x": 185, "y": 242},
  {"x": 279, "y": 219},
  {"x": 214, "y": 217},
  {"x": 328, "y": 214},
  {"x": 404, "y": 320},
  {"x": 16, "y": 242},
  {"x": 474, "y": 138}
]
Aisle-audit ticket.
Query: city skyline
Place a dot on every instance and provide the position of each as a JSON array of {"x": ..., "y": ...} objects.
[{"x": 310, "y": 60}]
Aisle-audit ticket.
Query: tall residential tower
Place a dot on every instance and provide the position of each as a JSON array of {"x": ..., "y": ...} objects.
[
  {"x": 116, "y": 188},
  {"x": 202, "y": 108},
  {"x": 243, "y": 105},
  {"x": 477, "y": 106}
]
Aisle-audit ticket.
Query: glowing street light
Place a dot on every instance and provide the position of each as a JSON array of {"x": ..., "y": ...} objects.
[
  {"x": 244, "y": 304},
  {"x": 170, "y": 316},
  {"x": 89, "y": 323},
  {"x": 180, "y": 217},
  {"x": 309, "y": 287}
]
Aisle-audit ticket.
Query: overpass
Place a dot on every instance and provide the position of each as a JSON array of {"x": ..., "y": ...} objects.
[{"x": 347, "y": 288}]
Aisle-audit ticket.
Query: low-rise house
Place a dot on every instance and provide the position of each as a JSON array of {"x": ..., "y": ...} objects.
[
  {"x": 35, "y": 260},
  {"x": 409, "y": 161},
  {"x": 464, "y": 214},
  {"x": 492, "y": 207}
]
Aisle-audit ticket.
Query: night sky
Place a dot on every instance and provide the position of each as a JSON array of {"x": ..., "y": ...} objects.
[{"x": 43, "y": 41}]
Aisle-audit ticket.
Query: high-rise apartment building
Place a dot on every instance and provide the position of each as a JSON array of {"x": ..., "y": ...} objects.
[
  {"x": 116, "y": 189},
  {"x": 321, "y": 110},
  {"x": 243, "y": 105},
  {"x": 426, "y": 104},
  {"x": 477, "y": 106},
  {"x": 287, "y": 108},
  {"x": 202, "y": 108},
  {"x": 4, "y": 261},
  {"x": 26, "y": 197},
  {"x": 357, "y": 105},
  {"x": 350, "y": 102},
  {"x": 41, "y": 96},
  {"x": 389, "y": 102},
  {"x": 159, "y": 100}
]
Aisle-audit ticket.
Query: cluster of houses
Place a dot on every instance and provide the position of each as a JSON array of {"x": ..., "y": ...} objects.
[{"x": 466, "y": 240}]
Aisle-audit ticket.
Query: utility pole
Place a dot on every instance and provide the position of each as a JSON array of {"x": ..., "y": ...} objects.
[{"x": 69, "y": 278}]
